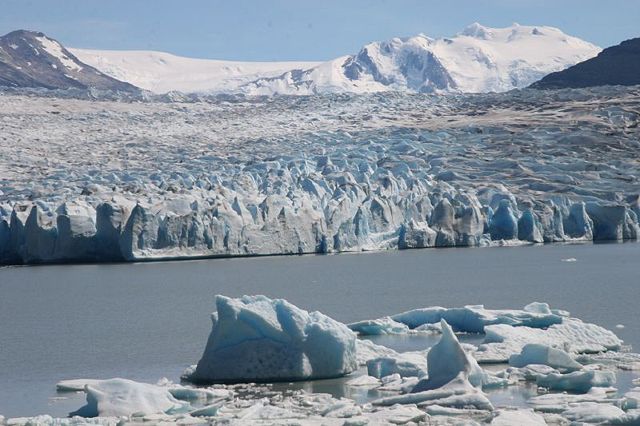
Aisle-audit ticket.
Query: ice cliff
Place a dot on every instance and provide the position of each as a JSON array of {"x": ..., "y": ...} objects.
[{"x": 102, "y": 181}]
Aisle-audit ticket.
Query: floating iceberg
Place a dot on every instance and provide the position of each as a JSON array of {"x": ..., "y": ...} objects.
[
  {"x": 446, "y": 360},
  {"x": 259, "y": 339},
  {"x": 541, "y": 354},
  {"x": 572, "y": 335},
  {"x": 470, "y": 319},
  {"x": 577, "y": 381},
  {"x": 379, "y": 326},
  {"x": 407, "y": 364}
]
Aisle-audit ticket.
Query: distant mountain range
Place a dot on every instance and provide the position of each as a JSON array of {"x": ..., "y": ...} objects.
[
  {"x": 617, "y": 65},
  {"x": 31, "y": 59},
  {"x": 478, "y": 59}
]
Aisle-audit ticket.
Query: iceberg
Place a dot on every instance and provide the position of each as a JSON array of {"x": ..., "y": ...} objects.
[
  {"x": 541, "y": 354},
  {"x": 379, "y": 326},
  {"x": 572, "y": 336},
  {"x": 446, "y": 361},
  {"x": 407, "y": 364},
  {"x": 474, "y": 319},
  {"x": 577, "y": 381},
  {"x": 257, "y": 339}
]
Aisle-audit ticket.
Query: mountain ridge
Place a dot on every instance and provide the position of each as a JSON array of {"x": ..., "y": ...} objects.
[
  {"x": 31, "y": 59},
  {"x": 478, "y": 59},
  {"x": 615, "y": 65}
]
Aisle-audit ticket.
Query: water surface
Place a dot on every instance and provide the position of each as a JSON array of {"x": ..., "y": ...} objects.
[{"x": 151, "y": 320}]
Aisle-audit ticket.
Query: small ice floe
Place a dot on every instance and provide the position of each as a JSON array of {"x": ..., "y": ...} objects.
[
  {"x": 122, "y": 397},
  {"x": 619, "y": 326},
  {"x": 364, "y": 381},
  {"x": 569, "y": 259},
  {"x": 518, "y": 417}
]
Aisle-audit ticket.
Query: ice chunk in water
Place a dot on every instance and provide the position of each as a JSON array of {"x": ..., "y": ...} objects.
[
  {"x": 474, "y": 319},
  {"x": 544, "y": 355},
  {"x": 446, "y": 360},
  {"x": 121, "y": 397},
  {"x": 255, "y": 338},
  {"x": 578, "y": 381},
  {"x": 379, "y": 326},
  {"x": 518, "y": 417}
]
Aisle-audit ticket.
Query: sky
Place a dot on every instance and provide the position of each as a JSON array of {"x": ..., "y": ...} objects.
[{"x": 264, "y": 30}]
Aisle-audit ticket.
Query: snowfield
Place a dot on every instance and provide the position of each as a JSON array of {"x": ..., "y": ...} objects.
[
  {"x": 180, "y": 176},
  {"x": 162, "y": 72}
]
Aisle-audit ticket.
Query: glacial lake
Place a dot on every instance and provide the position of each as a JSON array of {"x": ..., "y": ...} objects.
[{"x": 146, "y": 321}]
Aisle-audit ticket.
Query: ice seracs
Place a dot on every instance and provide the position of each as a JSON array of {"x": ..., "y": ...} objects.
[
  {"x": 259, "y": 339},
  {"x": 402, "y": 171}
]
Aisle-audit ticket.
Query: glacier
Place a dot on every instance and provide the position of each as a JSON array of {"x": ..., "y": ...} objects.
[{"x": 194, "y": 176}]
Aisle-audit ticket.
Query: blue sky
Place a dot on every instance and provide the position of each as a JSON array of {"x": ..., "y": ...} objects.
[{"x": 299, "y": 29}]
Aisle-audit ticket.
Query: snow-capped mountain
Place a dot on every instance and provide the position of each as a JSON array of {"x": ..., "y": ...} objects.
[
  {"x": 479, "y": 59},
  {"x": 31, "y": 59},
  {"x": 161, "y": 72}
]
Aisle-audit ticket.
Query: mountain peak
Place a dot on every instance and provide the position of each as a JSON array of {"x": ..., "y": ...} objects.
[
  {"x": 477, "y": 30},
  {"x": 31, "y": 59}
]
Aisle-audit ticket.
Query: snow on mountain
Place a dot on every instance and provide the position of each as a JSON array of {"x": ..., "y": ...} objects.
[
  {"x": 479, "y": 59},
  {"x": 162, "y": 72},
  {"x": 31, "y": 59}
]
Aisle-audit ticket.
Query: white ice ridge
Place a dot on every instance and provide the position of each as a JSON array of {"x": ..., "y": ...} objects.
[
  {"x": 255, "y": 338},
  {"x": 104, "y": 181},
  {"x": 258, "y": 338}
]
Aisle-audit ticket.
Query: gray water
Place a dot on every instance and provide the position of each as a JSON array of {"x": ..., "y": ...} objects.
[{"x": 151, "y": 320}]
